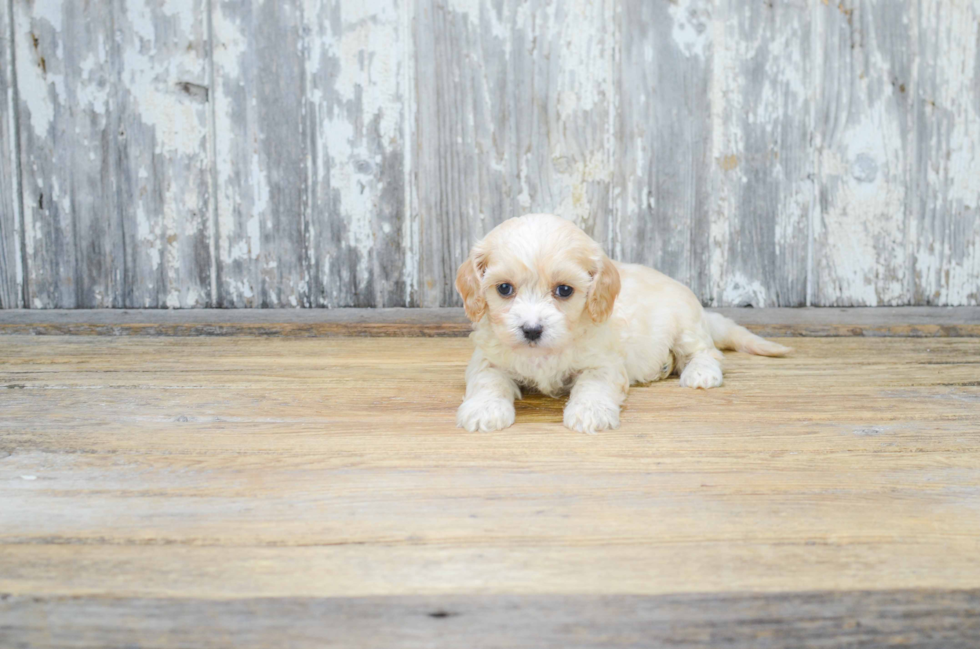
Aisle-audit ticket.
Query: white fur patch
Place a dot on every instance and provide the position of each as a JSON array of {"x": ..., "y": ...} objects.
[
  {"x": 591, "y": 415},
  {"x": 702, "y": 372},
  {"x": 485, "y": 414}
]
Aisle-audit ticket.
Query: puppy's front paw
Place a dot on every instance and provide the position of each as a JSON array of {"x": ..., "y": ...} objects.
[
  {"x": 591, "y": 416},
  {"x": 702, "y": 374},
  {"x": 485, "y": 414}
]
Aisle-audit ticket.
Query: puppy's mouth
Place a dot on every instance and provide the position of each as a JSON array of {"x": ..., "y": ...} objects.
[{"x": 537, "y": 345}]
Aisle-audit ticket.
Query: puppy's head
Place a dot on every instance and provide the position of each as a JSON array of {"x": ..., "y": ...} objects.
[{"x": 537, "y": 279}]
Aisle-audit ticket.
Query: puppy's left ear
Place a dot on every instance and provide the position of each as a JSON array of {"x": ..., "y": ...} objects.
[
  {"x": 468, "y": 280},
  {"x": 604, "y": 290}
]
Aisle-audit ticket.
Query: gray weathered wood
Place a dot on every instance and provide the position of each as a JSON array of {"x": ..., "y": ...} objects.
[
  {"x": 261, "y": 161},
  {"x": 664, "y": 170},
  {"x": 357, "y": 115},
  {"x": 762, "y": 155},
  {"x": 513, "y": 116},
  {"x": 813, "y": 322},
  {"x": 349, "y": 154},
  {"x": 907, "y": 618},
  {"x": 944, "y": 225},
  {"x": 11, "y": 268},
  {"x": 863, "y": 119},
  {"x": 113, "y": 131},
  {"x": 309, "y": 148}
]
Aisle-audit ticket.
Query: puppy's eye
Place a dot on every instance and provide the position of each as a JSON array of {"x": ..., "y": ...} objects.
[
  {"x": 564, "y": 291},
  {"x": 505, "y": 289}
]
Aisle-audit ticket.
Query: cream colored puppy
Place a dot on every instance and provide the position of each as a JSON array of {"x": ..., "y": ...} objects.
[{"x": 554, "y": 313}]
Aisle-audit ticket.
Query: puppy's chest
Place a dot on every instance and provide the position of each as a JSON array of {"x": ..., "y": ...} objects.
[{"x": 549, "y": 376}]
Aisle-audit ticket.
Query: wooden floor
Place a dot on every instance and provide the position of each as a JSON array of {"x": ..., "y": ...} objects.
[{"x": 252, "y": 492}]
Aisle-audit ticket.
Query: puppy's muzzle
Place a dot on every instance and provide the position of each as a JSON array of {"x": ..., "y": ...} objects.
[{"x": 531, "y": 334}]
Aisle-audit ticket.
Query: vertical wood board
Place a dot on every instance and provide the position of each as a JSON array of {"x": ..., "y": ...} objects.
[
  {"x": 261, "y": 161},
  {"x": 863, "y": 120},
  {"x": 356, "y": 116},
  {"x": 663, "y": 192},
  {"x": 513, "y": 117},
  {"x": 944, "y": 226},
  {"x": 11, "y": 264},
  {"x": 762, "y": 155},
  {"x": 112, "y": 116},
  {"x": 321, "y": 153}
]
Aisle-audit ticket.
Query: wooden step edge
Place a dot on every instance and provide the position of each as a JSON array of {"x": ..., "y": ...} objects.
[{"x": 918, "y": 322}]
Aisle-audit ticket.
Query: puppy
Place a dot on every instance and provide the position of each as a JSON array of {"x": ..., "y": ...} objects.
[{"x": 554, "y": 313}]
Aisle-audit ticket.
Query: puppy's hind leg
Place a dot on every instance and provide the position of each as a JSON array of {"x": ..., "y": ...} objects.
[
  {"x": 698, "y": 361},
  {"x": 703, "y": 370}
]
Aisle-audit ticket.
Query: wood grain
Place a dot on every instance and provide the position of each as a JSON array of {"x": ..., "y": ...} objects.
[
  {"x": 863, "y": 117},
  {"x": 820, "y": 322},
  {"x": 262, "y": 155},
  {"x": 11, "y": 264},
  {"x": 945, "y": 212},
  {"x": 917, "y": 619},
  {"x": 349, "y": 154},
  {"x": 309, "y": 134},
  {"x": 176, "y": 483},
  {"x": 513, "y": 111},
  {"x": 762, "y": 154},
  {"x": 356, "y": 60},
  {"x": 662, "y": 213},
  {"x": 113, "y": 130}
]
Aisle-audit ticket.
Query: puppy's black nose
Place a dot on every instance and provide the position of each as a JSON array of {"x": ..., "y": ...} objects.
[{"x": 532, "y": 333}]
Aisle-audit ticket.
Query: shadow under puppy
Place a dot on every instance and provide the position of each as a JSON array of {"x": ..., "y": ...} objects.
[{"x": 554, "y": 313}]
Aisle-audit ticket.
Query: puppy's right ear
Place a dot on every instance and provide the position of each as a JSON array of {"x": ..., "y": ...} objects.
[{"x": 469, "y": 278}]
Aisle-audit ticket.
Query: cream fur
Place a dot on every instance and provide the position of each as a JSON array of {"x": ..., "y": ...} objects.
[{"x": 656, "y": 327}]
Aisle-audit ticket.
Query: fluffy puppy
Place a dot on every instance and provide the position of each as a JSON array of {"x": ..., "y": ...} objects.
[{"x": 554, "y": 313}]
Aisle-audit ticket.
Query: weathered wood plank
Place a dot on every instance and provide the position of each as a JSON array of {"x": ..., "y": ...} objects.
[
  {"x": 356, "y": 58},
  {"x": 162, "y": 175},
  {"x": 281, "y": 481},
  {"x": 310, "y": 153},
  {"x": 762, "y": 154},
  {"x": 262, "y": 155},
  {"x": 945, "y": 211},
  {"x": 63, "y": 118},
  {"x": 11, "y": 264},
  {"x": 682, "y": 135},
  {"x": 907, "y": 618},
  {"x": 513, "y": 111},
  {"x": 814, "y": 322},
  {"x": 113, "y": 130},
  {"x": 663, "y": 193},
  {"x": 862, "y": 133}
]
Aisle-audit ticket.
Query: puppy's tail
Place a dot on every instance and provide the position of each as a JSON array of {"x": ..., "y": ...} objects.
[{"x": 728, "y": 335}]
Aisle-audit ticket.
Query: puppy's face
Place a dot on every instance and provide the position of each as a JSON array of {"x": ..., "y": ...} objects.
[{"x": 538, "y": 279}]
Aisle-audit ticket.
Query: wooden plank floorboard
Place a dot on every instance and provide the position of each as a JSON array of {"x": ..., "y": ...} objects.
[
  {"x": 167, "y": 492},
  {"x": 921, "y": 322},
  {"x": 947, "y": 620}
]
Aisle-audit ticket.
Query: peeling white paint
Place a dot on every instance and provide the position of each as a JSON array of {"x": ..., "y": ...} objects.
[
  {"x": 410, "y": 222},
  {"x": 692, "y": 26},
  {"x": 367, "y": 57},
  {"x": 743, "y": 291},
  {"x": 759, "y": 122},
  {"x": 861, "y": 232},
  {"x": 229, "y": 48},
  {"x": 539, "y": 125},
  {"x": 40, "y": 88},
  {"x": 575, "y": 205},
  {"x": 948, "y": 269},
  {"x": 726, "y": 143}
]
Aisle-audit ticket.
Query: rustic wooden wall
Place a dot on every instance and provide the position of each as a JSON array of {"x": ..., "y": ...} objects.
[{"x": 323, "y": 153}]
